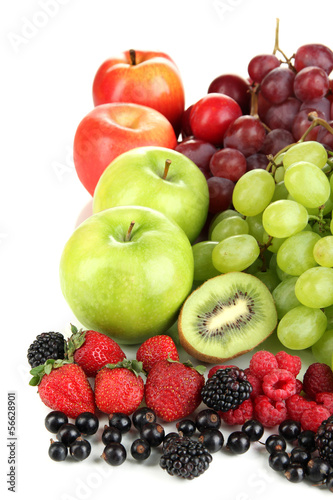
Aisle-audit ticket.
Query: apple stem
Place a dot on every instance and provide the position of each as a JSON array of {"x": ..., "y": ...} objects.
[
  {"x": 129, "y": 232},
  {"x": 166, "y": 168},
  {"x": 132, "y": 56}
]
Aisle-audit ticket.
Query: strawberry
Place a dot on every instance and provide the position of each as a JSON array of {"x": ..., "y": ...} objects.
[
  {"x": 93, "y": 350},
  {"x": 173, "y": 389},
  {"x": 156, "y": 348},
  {"x": 63, "y": 386},
  {"x": 119, "y": 387}
]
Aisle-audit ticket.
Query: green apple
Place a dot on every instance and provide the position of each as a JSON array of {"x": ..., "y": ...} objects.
[
  {"x": 159, "y": 178},
  {"x": 126, "y": 271}
]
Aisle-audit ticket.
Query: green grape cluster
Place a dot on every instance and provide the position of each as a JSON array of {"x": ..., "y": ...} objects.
[{"x": 280, "y": 229}]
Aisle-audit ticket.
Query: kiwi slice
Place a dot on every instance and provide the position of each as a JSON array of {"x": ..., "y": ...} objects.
[{"x": 226, "y": 316}]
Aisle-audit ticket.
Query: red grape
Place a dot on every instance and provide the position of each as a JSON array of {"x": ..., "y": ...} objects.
[
  {"x": 246, "y": 133},
  {"x": 228, "y": 163},
  {"x": 301, "y": 124},
  {"x": 185, "y": 125},
  {"x": 220, "y": 194},
  {"x": 282, "y": 115},
  {"x": 325, "y": 137},
  {"x": 260, "y": 65},
  {"x": 258, "y": 160},
  {"x": 323, "y": 105},
  {"x": 234, "y": 86},
  {"x": 277, "y": 85},
  {"x": 200, "y": 152},
  {"x": 311, "y": 83},
  {"x": 276, "y": 140},
  {"x": 314, "y": 54}
]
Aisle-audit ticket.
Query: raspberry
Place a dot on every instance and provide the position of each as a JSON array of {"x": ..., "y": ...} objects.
[
  {"x": 219, "y": 367},
  {"x": 311, "y": 419},
  {"x": 239, "y": 415},
  {"x": 296, "y": 405},
  {"x": 289, "y": 362},
  {"x": 269, "y": 412},
  {"x": 317, "y": 378},
  {"x": 326, "y": 399},
  {"x": 279, "y": 384},
  {"x": 262, "y": 362},
  {"x": 299, "y": 386},
  {"x": 255, "y": 382}
]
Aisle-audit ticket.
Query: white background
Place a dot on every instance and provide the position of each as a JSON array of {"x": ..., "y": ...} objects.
[{"x": 47, "y": 67}]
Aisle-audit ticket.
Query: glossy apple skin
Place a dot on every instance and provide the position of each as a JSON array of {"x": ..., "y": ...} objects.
[
  {"x": 136, "y": 178},
  {"x": 129, "y": 290},
  {"x": 111, "y": 129},
  {"x": 154, "y": 80}
]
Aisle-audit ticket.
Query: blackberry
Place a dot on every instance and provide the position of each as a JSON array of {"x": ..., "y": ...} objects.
[
  {"x": 185, "y": 458},
  {"x": 49, "y": 345},
  {"x": 226, "y": 389},
  {"x": 324, "y": 440}
]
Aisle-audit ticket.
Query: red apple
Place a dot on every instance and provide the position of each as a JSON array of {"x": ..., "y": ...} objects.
[
  {"x": 111, "y": 129},
  {"x": 142, "y": 77}
]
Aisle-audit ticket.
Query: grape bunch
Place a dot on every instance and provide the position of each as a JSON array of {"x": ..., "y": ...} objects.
[{"x": 241, "y": 124}]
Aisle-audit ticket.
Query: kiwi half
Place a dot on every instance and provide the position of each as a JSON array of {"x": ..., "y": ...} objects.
[{"x": 226, "y": 316}]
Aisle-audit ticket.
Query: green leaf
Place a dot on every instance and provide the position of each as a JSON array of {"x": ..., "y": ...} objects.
[{"x": 132, "y": 365}]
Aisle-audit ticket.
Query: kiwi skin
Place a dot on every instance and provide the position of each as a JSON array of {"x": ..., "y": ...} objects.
[{"x": 206, "y": 358}]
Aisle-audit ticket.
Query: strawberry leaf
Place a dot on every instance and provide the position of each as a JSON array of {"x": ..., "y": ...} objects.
[
  {"x": 75, "y": 341},
  {"x": 39, "y": 371},
  {"x": 132, "y": 365}
]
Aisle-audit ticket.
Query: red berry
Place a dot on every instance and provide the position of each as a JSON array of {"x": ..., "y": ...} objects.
[
  {"x": 326, "y": 399},
  {"x": 289, "y": 362},
  {"x": 312, "y": 418},
  {"x": 155, "y": 349},
  {"x": 296, "y": 405},
  {"x": 269, "y": 412},
  {"x": 317, "y": 378},
  {"x": 262, "y": 362},
  {"x": 279, "y": 384},
  {"x": 255, "y": 382},
  {"x": 239, "y": 415},
  {"x": 218, "y": 367}
]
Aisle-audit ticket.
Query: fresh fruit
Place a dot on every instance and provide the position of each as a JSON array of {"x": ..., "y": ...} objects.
[
  {"x": 244, "y": 305},
  {"x": 142, "y": 416},
  {"x": 290, "y": 430},
  {"x": 323, "y": 440},
  {"x": 226, "y": 389},
  {"x": 200, "y": 152},
  {"x": 111, "y": 129},
  {"x": 301, "y": 327},
  {"x": 80, "y": 449},
  {"x": 173, "y": 389},
  {"x": 87, "y": 423},
  {"x": 143, "y": 77},
  {"x": 114, "y": 454},
  {"x": 318, "y": 377},
  {"x": 152, "y": 432},
  {"x": 212, "y": 439},
  {"x": 155, "y": 349},
  {"x": 186, "y": 427},
  {"x": 254, "y": 429},
  {"x": 93, "y": 350},
  {"x": 238, "y": 442},
  {"x": 68, "y": 433},
  {"x": 54, "y": 420},
  {"x": 140, "y": 449},
  {"x": 48, "y": 345},
  {"x": 111, "y": 434},
  {"x": 235, "y": 253},
  {"x": 279, "y": 384},
  {"x": 157, "y": 178},
  {"x": 63, "y": 386},
  {"x": 126, "y": 271},
  {"x": 119, "y": 387},
  {"x": 57, "y": 451},
  {"x": 233, "y": 86},
  {"x": 207, "y": 419},
  {"x": 120, "y": 421}
]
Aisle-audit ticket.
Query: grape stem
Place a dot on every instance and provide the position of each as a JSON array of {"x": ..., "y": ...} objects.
[
  {"x": 254, "y": 90},
  {"x": 277, "y": 47}
]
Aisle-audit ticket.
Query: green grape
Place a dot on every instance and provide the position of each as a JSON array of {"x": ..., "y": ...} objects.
[
  {"x": 323, "y": 348},
  {"x": 301, "y": 327},
  {"x": 280, "y": 192},
  {"x": 221, "y": 216},
  {"x": 311, "y": 151},
  {"x": 203, "y": 265},
  {"x": 314, "y": 288},
  {"x": 284, "y": 296},
  {"x": 307, "y": 184},
  {"x": 331, "y": 226},
  {"x": 253, "y": 192},
  {"x": 235, "y": 253},
  {"x": 229, "y": 227},
  {"x": 283, "y": 218},
  {"x": 323, "y": 251},
  {"x": 256, "y": 229},
  {"x": 279, "y": 174},
  {"x": 260, "y": 264},
  {"x": 295, "y": 255},
  {"x": 269, "y": 278}
]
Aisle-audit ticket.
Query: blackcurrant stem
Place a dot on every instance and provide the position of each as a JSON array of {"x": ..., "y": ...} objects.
[
  {"x": 132, "y": 57},
  {"x": 129, "y": 232},
  {"x": 166, "y": 168}
]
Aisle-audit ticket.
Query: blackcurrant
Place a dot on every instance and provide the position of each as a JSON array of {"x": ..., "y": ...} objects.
[
  {"x": 114, "y": 454},
  {"x": 186, "y": 427},
  {"x": 299, "y": 456},
  {"x": 274, "y": 442},
  {"x": 254, "y": 429},
  {"x": 54, "y": 420},
  {"x": 57, "y": 451},
  {"x": 111, "y": 435},
  {"x": 279, "y": 460},
  {"x": 317, "y": 469},
  {"x": 290, "y": 430},
  {"x": 294, "y": 473},
  {"x": 212, "y": 439},
  {"x": 154, "y": 433},
  {"x": 238, "y": 442},
  {"x": 80, "y": 449},
  {"x": 207, "y": 419},
  {"x": 143, "y": 416},
  {"x": 329, "y": 482},
  {"x": 140, "y": 449},
  {"x": 68, "y": 433},
  {"x": 87, "y": 423},
  {"x": 121, "y": 421},
  {"x": 306, "y": 440}
]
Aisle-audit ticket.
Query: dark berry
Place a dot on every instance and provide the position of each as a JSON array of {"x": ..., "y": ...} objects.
[
  {"x": 290, "y": 430},
  {"x": 87, "y": 423},
  {"x": 226, "y": 389},
  {"x": 111, "y": 435},
  {"x": 329, "y": 482},
  {"x": 114, "y": 454},
  {"x": 57, "y": 451},
  {"x": 294, "y": 473},
  {"x": 279, "y": 460},
  {"x": 238, "y": 442},
  {"x": 48, "y": 345},
  {"x": 212, "y": 439},
  {"x": 140, "y": 449},
  {"x": 68, "y": 433},
  {"x": 324, "y": 440},
  {"x": 54, "y": 420},
  {"x": 80, "y": 449},
  {"x": 254, "y": 429},
  {"x": 306, "y": 440},
  {"x": 185, "y": 458},
  {"x": 299, "y": 456},
  {"x": 121, "y": 421},
  {"x": 186, "y": 427},
  {"x": 317, "y": 469},
  {"x": 169, "y": 437},
  {"x": 143, "y": 416},
  {"x": 154, "y": 433},
  {"x": 207, "y": 419},
  {"x": 274, "y": 442}
]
